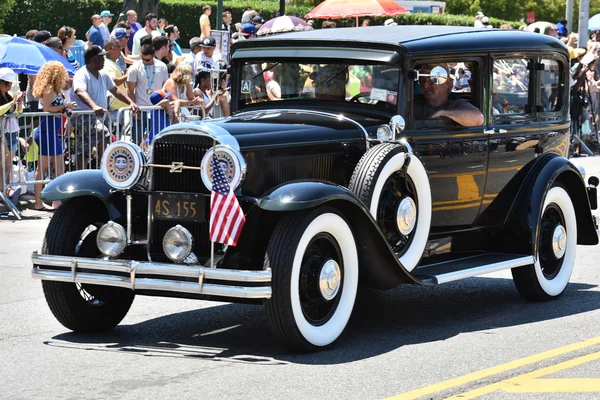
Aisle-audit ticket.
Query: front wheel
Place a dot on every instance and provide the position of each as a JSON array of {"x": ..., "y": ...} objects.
[
  {"x": 314, "y": 261},
  {"x": 549, "y": 276},
  {"x": 81, "y": 307}
]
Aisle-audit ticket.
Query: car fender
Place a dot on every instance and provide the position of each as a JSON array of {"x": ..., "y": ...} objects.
[
  {"x": 81, "y": 184},
  {"x": 527, "y": 192},
  {"x": 379, "y": 266}
]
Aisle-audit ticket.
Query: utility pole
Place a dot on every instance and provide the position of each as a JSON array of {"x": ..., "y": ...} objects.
[
  {"x": 219, "y": 15},
  {"x": 281, "y": 7},
  {"x": 569, "y": 15},
  {"x": 584, "y": 15}
]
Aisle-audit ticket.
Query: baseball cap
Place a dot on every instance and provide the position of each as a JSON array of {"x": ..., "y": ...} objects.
[
  {"x": 390, "y": 22},
  {"x": 106, "y": 13},
  {"x": 119, "y": 33},
  {"x": 8, "y": 75},
  {"x": 92, "y": 52},
  {"x": 158, "y": 95},
  {"x": 248, "y": 29},
  {"x": 208, "y": 41},
  {"x": 42, "y": 36},
  {"x": 195, "y": 42},
  {"x": 258, "y": 20}
]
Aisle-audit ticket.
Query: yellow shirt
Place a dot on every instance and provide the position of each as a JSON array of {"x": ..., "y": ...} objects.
[
  {"x": 113, "y": 70},
  {"x": 204, "y": 26}
]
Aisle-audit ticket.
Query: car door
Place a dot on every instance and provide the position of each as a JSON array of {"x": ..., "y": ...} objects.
[
  {"x": 513, "y": 131},
  {"x": 455, "y": 156}
]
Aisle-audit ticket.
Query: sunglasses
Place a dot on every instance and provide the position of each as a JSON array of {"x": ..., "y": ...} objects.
[
  {"x": 66, "y": 28},
  {"x": 147, "y": 60}
]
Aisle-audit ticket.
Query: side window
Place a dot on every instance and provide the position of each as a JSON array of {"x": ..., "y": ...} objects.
[
  {"x": 551, "y": 86},
  {"x": 510, "y": 87}
]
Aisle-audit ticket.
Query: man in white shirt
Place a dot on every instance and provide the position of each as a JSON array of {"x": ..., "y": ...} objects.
[
  {"x": 90, "y": 85},
  {"x": 190, "y": 58},
  {"x": 208, "y": 48},
  {"x": 144, "y": 77},
  {"x": 149, "y": 29}
]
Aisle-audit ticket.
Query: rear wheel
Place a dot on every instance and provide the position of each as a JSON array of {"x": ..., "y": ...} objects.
[
  {"x": 557, "y": 239},
  {"x": 81, "y": 307},
  {"x": 314, "y": 261}
]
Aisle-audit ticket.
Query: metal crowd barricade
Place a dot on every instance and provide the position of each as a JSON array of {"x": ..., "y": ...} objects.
[
  {"x": 142, "y": 128},
  {"x": 48, "y": 145}
]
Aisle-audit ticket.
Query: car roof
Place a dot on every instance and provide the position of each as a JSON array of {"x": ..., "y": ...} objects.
[{"x": 416, "y": 38}]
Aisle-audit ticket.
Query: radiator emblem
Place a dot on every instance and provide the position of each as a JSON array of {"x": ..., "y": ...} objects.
[{"x": 177, "y": 167}]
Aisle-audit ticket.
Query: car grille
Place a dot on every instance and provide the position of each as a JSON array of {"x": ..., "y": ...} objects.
[
  {"x": 188, "y": 149},
  {"x": 327, "y": 166}
]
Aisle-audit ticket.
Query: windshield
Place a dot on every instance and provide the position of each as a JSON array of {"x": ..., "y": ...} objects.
[{"x": 374, "y": 85}]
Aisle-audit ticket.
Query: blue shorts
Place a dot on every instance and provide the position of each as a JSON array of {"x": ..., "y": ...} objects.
[{"x": 12, "y": 141}]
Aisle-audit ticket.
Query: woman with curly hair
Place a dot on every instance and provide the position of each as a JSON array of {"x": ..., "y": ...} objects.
[
  {"x": 67, "y": 35},
  {"x": 48, "y": 87}
]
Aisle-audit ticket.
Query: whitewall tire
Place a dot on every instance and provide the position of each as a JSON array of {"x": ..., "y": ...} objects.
[
  {"x": 549, "y": 276},
  {"x": 314, "y": 261}
]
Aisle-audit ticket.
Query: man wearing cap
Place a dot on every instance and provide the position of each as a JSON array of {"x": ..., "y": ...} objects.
[
  {"x": 192, "y": 58},
  {"x": 90, "y": 85},
  {"x": 208, "y": 48},
  {"x": 121, "y": 35},
  {"x": 205, "y": 21},
  {"x": 248, "y": 30},
  {"x": 433, "y": 101},
  {"x": 94, "y": 36},
  {"x": 150, "y": 29},
  {"x": 106, "y": 18},
  {"x": 144, "y": 77},
  {"x": 258, "y": 21},
  {"x": 478, "y": 17}
]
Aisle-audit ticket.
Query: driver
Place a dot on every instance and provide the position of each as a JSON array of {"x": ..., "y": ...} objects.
[
  {"x": 433, "y": 102},
  {"x": 329, "y": 81}
]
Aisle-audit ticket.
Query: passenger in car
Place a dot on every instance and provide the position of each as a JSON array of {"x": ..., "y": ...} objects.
[{"x": 433, "y": 102}]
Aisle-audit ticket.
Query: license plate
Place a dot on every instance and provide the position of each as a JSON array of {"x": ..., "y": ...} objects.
[{"x": 182, "y": 206}]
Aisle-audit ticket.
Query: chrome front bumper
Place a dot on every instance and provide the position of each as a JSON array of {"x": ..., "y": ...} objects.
[{"x": 138, "y": 275}]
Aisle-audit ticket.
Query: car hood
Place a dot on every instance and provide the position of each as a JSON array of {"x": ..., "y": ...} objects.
[{"x": 274, "y": 128}]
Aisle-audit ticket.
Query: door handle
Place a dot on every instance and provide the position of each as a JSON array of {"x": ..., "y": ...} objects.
[{"x": 492, "y": 131}]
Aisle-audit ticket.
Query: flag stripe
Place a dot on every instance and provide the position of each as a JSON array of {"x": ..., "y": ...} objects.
[{"x": 226, "y": 216}]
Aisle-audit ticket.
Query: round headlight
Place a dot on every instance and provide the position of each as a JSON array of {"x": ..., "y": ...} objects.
[
  {"x": 384, "y": 133},
  {"x": 177, "y": 243},
  {"x": 231, "y": 161},
  {"x": 111, "y": 239},
  {"x": 123, "y": 164}
]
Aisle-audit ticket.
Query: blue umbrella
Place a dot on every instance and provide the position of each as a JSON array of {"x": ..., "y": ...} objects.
[
  {"x": 26, "y": 56},
  {"x": 594, "y": 23}
]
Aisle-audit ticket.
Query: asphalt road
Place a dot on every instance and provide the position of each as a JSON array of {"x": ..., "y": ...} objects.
[{"x": 459, "y": 336}]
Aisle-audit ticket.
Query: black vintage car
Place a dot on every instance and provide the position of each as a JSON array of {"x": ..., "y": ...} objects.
[{"x": 342, "y": 183}]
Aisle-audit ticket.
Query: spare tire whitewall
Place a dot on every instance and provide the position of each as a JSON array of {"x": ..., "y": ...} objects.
[
  {"x": 314, "y": 261},
  {"x": 374, "y": 174}
]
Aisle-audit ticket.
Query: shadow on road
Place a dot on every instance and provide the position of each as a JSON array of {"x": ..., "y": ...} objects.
[{"x": 383, "y": 321}]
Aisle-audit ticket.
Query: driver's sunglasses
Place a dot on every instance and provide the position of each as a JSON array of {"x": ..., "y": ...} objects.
[{"x": 433, "y": 79}]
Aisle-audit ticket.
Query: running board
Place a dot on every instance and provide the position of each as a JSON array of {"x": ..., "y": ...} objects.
[{"x": 468, "y": 267}]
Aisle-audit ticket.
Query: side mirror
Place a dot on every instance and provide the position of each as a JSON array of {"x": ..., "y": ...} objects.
[
  {"x": 397, "y": 123},
  {"x": 438, "y": 75}
]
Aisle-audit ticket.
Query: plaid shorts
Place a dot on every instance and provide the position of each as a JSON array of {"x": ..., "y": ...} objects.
[{"x": 89, "y": 133}]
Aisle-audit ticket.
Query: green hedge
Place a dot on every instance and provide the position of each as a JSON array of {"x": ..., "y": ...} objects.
[{"x": 52, "y": 14}]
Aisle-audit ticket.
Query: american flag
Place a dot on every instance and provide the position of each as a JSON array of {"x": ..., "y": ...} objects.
[{"x": 226, "y": 215}]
